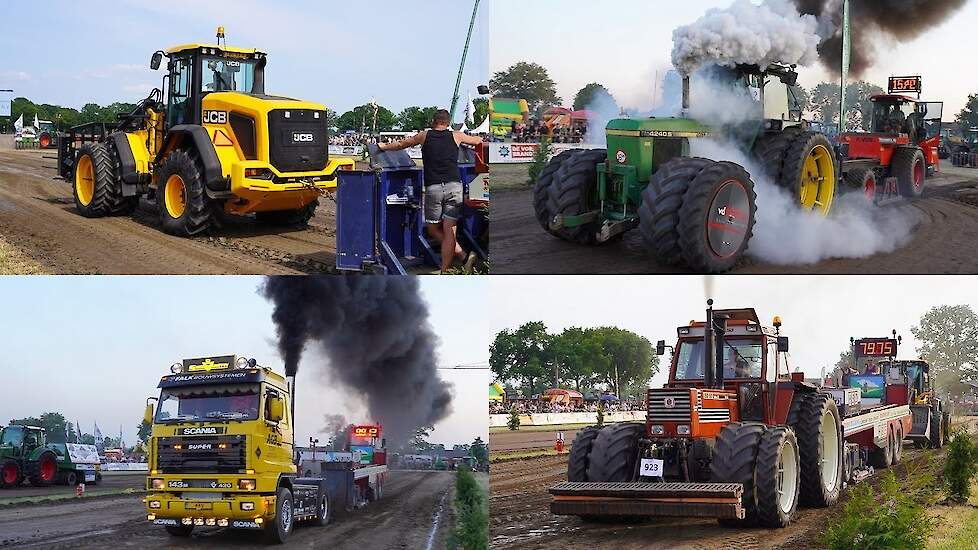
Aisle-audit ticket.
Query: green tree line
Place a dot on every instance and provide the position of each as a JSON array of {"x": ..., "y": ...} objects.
[
  {"x": 585, "y": 359},
  {"x": 59, "y": 430}
]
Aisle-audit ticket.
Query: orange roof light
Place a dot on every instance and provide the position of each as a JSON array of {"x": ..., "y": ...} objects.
[{"x": 777, "y": 320}]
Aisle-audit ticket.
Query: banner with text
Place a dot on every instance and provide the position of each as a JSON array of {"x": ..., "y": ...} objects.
[{"x": 517, "y": 153}]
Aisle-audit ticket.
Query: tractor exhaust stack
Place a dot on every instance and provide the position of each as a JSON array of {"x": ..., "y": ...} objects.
[
  {"x": 685, "y": 95},
  {"x": 709, "y": 354}
]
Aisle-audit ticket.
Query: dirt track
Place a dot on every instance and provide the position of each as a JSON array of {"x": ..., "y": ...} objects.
[
  {"x": 38, "y": 217},
  {"x": 402, "y": 519},
  {"x": 526, "y": 440},
  {"x": 519, "y": 518},
  {"x": 943, "y": 240},
  {"x": 109, "y": 482}
]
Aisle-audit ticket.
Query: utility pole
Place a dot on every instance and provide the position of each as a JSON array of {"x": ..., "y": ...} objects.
[
  {"x": 461, "y": 68},
  {"x": 846, "y": 55}
]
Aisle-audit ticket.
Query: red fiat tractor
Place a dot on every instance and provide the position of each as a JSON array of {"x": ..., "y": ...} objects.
[{"x": 901, "y": 151}]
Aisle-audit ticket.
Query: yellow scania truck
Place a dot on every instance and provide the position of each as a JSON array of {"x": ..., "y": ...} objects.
[
  {"x": 222, "y": 454},
  {"x": 215, "y": 143}
]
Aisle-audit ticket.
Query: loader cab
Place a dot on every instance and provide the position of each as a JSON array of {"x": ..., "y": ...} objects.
[{"x": 195, "y": 70}]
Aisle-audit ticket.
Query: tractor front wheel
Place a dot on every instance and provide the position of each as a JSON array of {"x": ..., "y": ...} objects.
[
  {"x": 44, "y": 471},
  {"x": 661, "y": 201},
  {"x": 716, "y": 220},
  {"x": 863, "y": 180},
  {"x": 777, "y": 477},
  {"x": 185, "y": 210},
  {"x": 910, "y": 169},
  {"x": 299, "y": 217},
  {"x": 577, "y": 459},
  {"x": 734, "y": 459},
  {"x": 10, "y": 474},
  {"x": 541, "y": 189},
  {"x": 614, "y": 453},
  {"x": 818, "y": 428},
  {"x": 574, "y": 192}
]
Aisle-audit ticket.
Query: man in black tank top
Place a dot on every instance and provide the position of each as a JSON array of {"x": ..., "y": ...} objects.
[{"x": 442, "y": 188}]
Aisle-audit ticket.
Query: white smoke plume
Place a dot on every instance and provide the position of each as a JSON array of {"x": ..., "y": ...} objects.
[
  {"x": 784, "y": 234},
  {"x": 603, "y": 109},
  {"x": 746, "y": 33}
]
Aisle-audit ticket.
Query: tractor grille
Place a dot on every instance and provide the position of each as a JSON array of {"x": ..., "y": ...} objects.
[
  {"x": 714, "y": 415},
  {"x": 298, "y": 140},
  {"x": 660, "y": 412},
  {"x": 201, "y": 455}
]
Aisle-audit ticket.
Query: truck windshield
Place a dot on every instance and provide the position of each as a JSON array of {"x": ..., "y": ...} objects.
[
  {"x": 227, "y": 75},
  {"x": 741, "y": 359},
  {"x": 195, "y": 405}
]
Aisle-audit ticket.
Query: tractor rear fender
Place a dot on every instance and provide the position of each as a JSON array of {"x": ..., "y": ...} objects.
[{"x": 193, "y": 136}]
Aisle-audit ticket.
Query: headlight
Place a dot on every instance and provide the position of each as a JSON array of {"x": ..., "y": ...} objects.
[
  {"x": 210, "y": 521},
  {"x": 247, "y": 506},
  {"x": 198, "y": 521},
  {"x": 241, "y": 363},
  {"x": 176, "y": 368},
  {"x": 657, "y": 430},
  {"x": 150, "y": 517},
  {"x": 682, "y": 429},
  {"x": 154, "y": 504},
  {"x": 246, "y": 484},
  {"x": 187, "y": 521},
  {"x": 222, "y": 523},
  {"x": 158, "y": 483}
]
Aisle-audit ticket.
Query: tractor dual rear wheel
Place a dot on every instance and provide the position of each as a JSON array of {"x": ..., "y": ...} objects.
[
  {"x": 573, "y": 192},
  {"x": 614, "y": 453},
  {"x": 818, "y": 427},
  {"x": 909, "y": 167},
  {"x": 95, "y": 183},
  {"x": 734, "y": 461},
  {"x": 541, "y": 189},
  {"x": 804, "y": 163},
  {"x": 184, "y": 208},
  {"x": 661, "y": 201},
  {"x": 577, "y": 459}
]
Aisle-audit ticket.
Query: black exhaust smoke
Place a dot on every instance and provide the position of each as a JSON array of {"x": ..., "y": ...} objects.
[
  {"x": 375, "y": 335},
  {"x": 897, "y": 19}
]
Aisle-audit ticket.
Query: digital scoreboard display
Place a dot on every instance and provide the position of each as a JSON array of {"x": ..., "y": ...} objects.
[
  {"x": 905, "y": 84},
  {"x": 366, "y": 432},
  {"x": 875, "y": 347}
]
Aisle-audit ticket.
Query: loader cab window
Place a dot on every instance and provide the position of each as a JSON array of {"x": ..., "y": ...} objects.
[
  {"x": 180, "y": 109},
  {"x": 742, "y": 359},
  {"x": 219, "y": 74}
]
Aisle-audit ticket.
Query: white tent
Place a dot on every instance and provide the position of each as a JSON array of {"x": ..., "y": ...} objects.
[{"x": 483, "y": 128}]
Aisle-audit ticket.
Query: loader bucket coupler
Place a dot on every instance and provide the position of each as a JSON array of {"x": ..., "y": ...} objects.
[{"x": 711, "y": 500}]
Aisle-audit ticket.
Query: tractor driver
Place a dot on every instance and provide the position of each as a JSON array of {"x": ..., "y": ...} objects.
[{"x": 442, "y": 189}]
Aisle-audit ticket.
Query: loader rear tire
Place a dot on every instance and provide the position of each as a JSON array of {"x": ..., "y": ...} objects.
[
  {"x": 95, "y": 184},
  {"x": 734, "y": 459},
  {"x": 661, "y": 200},
  {"x": 777, "y": 477},
  {"x": 910, "y": 169},
  {"x": 716, "y": 221},
  {"x": 574, "y": 191},
  {"x": 577, "y": 459},
  {"x": 11, "y": 474},
  {"x": 541, "y": 189},
  {"x": 614, "y": 453},
  {"x": 185, "y": 210},
  {"x": 818, "y": 428},
  {"x": 811, "y": 171},
  {"x": 299, "y": 217}
]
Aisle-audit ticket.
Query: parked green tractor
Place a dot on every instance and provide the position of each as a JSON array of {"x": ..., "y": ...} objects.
[
  {"x": 24, "y": 455},
  {"x": 691, "y": 211}
]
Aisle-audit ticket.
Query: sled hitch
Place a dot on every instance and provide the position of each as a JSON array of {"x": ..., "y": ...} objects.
[{"x": 637, "y": 499}]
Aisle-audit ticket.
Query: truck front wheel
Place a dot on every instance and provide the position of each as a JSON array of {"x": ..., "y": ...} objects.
[
  {"x": 179, "y": 530},
  {"x": 280, "y": 529}
]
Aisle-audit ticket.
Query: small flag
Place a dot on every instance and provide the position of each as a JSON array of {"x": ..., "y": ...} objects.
[
  {"x": 19, "y": 124},
  {"x": 37, "y": 123}
]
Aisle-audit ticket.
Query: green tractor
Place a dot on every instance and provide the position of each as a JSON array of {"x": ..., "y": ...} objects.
[
  {"x": 23, "y": 454},
  {"x": 691, "y": 211}
]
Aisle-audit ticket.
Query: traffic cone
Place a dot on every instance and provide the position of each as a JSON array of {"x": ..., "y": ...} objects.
[
  {"x": 80, "y": 490},
  {"x": 559, "y": 444}
]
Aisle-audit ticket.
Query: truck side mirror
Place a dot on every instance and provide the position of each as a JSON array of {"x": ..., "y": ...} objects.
[
  {"x": 660, "y": 347},
  {"x": 782, "y": 343},
  {"x": 148, "y": 414},
  {"x": 154, "y": 63},
  {"x": 276, "y": 408}
]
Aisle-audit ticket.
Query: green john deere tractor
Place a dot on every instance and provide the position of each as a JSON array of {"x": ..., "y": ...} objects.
[
  {"x": 691, "y": 211},
  {"x": 23, "y": 454}
]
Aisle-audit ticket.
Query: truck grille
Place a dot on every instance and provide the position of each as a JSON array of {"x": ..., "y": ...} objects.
[
  {"x": 298, "y": 140},
  {"x": 659, "y": 412},
  {"x": 201, "y": 455}
]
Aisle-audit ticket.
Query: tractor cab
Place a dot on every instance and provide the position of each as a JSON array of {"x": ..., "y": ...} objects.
[
  {"x": 773, "y": 92},
  {"x": 195, "y": 70},
  {"x": 21, "y": 440},
  {"x": 920, "y": 121}
]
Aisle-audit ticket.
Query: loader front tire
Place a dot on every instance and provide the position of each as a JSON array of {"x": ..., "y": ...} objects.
[
  {"x": 185, "y": 210},
  {"x": 734, "y": 459},
  {"x": 95, "y": 185},
  {"x": 661, "y": 201},
  {"x": 577, "y": 459}
]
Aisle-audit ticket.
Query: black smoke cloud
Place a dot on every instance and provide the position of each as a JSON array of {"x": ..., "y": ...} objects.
[
  {"x": 374, "y": 331},
  {"x": 901, "y": 20}
]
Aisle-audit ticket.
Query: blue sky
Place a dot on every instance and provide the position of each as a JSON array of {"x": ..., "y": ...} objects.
[
  {"x": 95, "y": 347},
  {"x": 624, "y": 43},
  {"x": 342, "y": 54}
]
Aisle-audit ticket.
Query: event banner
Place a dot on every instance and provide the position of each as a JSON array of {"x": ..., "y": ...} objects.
[
  {"x": 516, "y": 153},
  {"x": 6, "y": 98}
]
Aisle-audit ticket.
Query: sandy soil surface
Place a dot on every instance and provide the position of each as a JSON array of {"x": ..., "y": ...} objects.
[
  {"x": 520, "y": 517},
  {"x": 38, "y": 217},
  {"x": 943, "y": 241},
  {"x": 526, "y": 440},
  {"x": 402, "y": 519}
]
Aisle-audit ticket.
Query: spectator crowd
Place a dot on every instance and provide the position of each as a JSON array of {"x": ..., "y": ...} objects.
[{"x": 532, "y": 406}]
